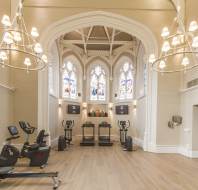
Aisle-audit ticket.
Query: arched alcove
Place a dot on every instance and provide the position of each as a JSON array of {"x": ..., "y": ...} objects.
[
  {"x": 122, "y": 23},
  {"x": 90, "y": 68},
  {"x": 118, "y": 65},
  {"x": 75, "y": 61}
]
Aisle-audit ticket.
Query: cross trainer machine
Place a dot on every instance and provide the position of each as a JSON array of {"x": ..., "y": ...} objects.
[
  {"x": 125, "y": 140},
  {"x": 88, "y": 140},
  {"x": 66, "y": 140},
  {"x": 37, "y": 154},
  {"x": 7, "y": 172},
  {"x": 104, "y": 140}
]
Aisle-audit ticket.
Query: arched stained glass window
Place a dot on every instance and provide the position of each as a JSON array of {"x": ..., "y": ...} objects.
[
  {"x": 69, "y": 80},
  {"x": 98, "y": 84},
  {"x": 126, "y": 81}
]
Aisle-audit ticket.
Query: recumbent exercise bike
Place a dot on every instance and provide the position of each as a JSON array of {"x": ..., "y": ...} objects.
[
  {"x": 37, "y": 154},
  {"x": 125, "y": 140},
  {"x": 65, "y": 141}
]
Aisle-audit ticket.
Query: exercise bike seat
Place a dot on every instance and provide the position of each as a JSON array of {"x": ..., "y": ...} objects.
[
  {"x": 5, "y": 170},
  {"x": 33, "y": 147}
]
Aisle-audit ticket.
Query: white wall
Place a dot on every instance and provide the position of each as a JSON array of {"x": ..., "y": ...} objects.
[
  {"x": 6, "y": 112},
  {"x": 188, "y": 133},
  {"x": 168, "y": 105},
  {"x": 6, "y": 95},
  {"x": 53, "y": 117}
]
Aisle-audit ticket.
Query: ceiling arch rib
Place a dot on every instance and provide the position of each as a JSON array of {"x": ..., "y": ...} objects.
[{"x": 98, "y": 40}]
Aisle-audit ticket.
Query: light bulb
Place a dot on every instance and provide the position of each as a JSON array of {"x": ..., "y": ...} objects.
[
  {"x": 185, "y": 61},
  {"x": 195, "y": 42},
  {"x": 166, "y": 46},
  {"x": 38, "y": 48},
  {"x": 165, "y": 32},
  {"x": 44, "y": 58},
  {"x": 34, "y": 32},
  {"x": 152, "y": 58},
  {"x": 175, "y": 41},
  {"x": 162, "y": 64},
  {"x": 17, "y": 36},
  {"x": 193, "y": 26},
  {"x": 8, "y": 39},
  {"x": 6, "y": 20},
  {"x": 3, "y": 56},
  {"x": 181, "y": 39},
  {"x": 27, "y": 61}
]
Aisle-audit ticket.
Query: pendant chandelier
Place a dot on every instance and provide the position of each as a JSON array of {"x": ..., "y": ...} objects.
[
  {"x": 179, "y": 51},
  {"x": 17, "y": 42}
]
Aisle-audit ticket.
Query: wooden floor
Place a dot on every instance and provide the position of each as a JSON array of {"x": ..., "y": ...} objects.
[{"x": 110, "y": 168}]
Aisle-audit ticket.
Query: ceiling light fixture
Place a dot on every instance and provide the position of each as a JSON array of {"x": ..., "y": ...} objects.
[
  {"x": 180, "y": 47},
  {"x": 16, "y": 39}
]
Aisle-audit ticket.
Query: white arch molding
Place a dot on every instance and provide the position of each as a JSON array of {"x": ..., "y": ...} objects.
[{"x": 119, "y": 22}]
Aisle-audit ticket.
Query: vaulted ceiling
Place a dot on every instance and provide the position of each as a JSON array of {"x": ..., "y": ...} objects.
[{"x": 99, "y": 38}]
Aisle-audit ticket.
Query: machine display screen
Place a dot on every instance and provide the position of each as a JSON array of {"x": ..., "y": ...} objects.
[
  {"x": 122, "y": 110},
  {"x": 73, "y": 109},
  {"x": 13, "y": 130}
]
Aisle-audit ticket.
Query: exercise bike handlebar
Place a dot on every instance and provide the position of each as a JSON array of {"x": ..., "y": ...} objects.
[
  {"x": 121, "y": 124},
  {"x": 26, "y": 127},
  {"x": 65, "y": 123}
]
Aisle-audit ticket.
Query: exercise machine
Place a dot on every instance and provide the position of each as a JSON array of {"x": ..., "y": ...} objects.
[
  {"x": 104, "y": 140},
  {"x": 7, "y": 172},
  {"x": 65, "y": 141},
  {"x": 88, "y": 140},
  {"x": 37, "y": 154},
  {"x": 125, "y": 140},
  {"x": 68, "y": 126},
  {"x": 28, "y": 130}
]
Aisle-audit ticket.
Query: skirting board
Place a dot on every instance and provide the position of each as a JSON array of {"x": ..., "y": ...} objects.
[
  {"x": 138, "y": 141},
  {"x": 54, "y": 142},
  {"x": 168, "y": 149},
  {"x": 188, "y": 153},
  {"x": 176, "y": 150}
]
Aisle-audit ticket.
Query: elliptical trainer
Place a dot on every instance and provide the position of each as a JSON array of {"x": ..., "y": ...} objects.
[
  {"x": 66, "y": 140},
  {"x": 125, "y": 140}
]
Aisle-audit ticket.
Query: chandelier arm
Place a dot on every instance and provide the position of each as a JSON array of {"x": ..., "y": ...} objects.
[
  {"x": 186, "y": 37},
  {"x": 22, "y": 51},
  {"x": 172, "y": 54},
  {"x": 31, "y": 45},
  {"x": 25, "y": 52},
  {"x": 175, "y": 71},
  {"x": 22, "y": 68},
  {"x": 174, "y": 6},
  {"x": 24, "y": 33},
  {"x": 17, "y": 39}
]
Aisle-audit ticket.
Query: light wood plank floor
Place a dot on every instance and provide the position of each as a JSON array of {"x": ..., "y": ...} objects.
[{"x": 110, "y": 168}]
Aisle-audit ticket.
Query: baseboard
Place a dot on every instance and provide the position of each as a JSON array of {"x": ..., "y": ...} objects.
[
  {"x": 187, "y": 152},
  {"x": 138, "y": 141},
  {"x": 54, "y": 142},
  {"x": 174, "y": 149},
  {"x": 166, "y": 149}
]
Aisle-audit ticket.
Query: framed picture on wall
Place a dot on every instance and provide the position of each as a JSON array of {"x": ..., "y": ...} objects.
[
  {"x": 73, "y": 109},
  {"x": 122, "y": 110}
]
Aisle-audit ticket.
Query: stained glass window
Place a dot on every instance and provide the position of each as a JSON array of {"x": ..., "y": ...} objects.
[
  {"x": 69, "y": 80},
  {"x": 126, "y": 81},
  {"x": 98, "y": 84}
]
